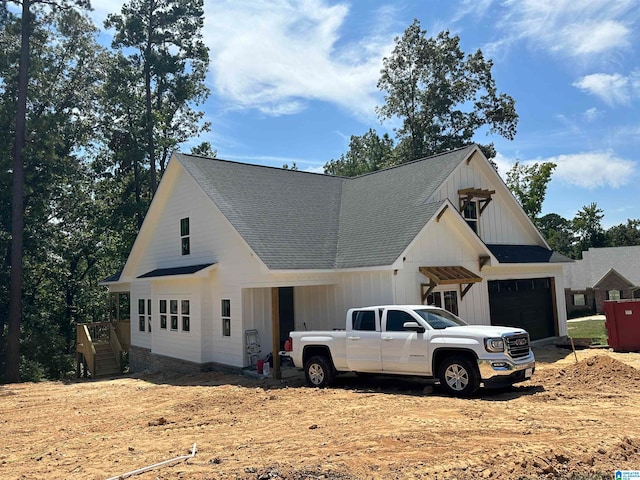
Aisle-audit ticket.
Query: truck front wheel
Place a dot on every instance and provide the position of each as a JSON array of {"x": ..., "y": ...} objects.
[
  {"x": 458, "y": 376},
  {"x": 318, "y": 372}
]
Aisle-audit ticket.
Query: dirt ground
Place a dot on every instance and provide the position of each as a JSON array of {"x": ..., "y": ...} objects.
[{"x": 571, "y": 420}]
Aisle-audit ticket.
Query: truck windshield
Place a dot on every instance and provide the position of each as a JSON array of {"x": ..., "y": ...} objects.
[{"x": 439, "y": 319}]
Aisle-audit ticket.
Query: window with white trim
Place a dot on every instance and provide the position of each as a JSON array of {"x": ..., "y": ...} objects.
[
  {"x": 142, "y": 319},
  {"x": 185, "y": 315},
  {"x": 447, "y": 300},
  {"x": 613, "y": 295},
  {"x": 470, "y": 214},
  {"x": 163, "y": 314},
  {"x": 579, "y": 300},
  {"x": 185, "y": 243},
  {"x": 225, "y": 313}
]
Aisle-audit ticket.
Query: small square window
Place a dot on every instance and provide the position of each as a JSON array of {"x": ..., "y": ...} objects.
[
  {"x": 174, "y": 322},
  {"x": 578, "y": 299},
  {"x": 141, "y": 322},
  {"x": 173, "y": 307},
  {"x": 163, "y": 321},
  {"x": 185, "y": 324},
  {"x": 185, "y": 307},
  {"x": 141, "y": 306},
  {"x": 163, "y": 306}
]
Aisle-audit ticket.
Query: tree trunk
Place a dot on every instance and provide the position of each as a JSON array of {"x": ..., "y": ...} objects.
[
  {"x": 17, "y": 205},
  {"x": 147, "y": 90}
]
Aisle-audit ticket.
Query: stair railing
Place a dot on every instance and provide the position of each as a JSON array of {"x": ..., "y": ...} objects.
[{"x": 85, "y": 346}]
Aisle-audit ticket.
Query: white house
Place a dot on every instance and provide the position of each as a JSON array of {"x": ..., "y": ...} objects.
[{"x": 228, "y": 247}]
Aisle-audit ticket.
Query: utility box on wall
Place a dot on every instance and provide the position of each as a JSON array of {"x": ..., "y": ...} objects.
[{"x": 623, "y": 324}]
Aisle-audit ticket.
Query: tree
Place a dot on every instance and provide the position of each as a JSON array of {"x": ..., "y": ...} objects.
[
  {"x": 172, "y": 60},
  {"x": 441, "y": 96},
  {"x": 18, "y": 182},
  {"x": 529, "y": 185},
  {"x": 367, "y": 153},
  {"x": 587, "y": 227},
  {"x": 204, "y": 150},
  {"x": 624, "y": 235},
  {"x": 558, "y": 232}
]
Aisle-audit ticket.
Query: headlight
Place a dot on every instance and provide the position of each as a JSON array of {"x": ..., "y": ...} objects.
[{"x": 494, "y": 344}]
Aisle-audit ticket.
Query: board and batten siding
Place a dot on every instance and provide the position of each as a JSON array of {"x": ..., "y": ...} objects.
[
  {"x": 443, "y": 243},
  {"x": 502, "y": 221}
]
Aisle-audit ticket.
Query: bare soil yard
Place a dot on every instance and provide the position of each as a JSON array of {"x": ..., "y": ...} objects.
[{"x": 572, "y": 420}]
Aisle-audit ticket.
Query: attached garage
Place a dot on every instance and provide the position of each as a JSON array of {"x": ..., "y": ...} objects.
[{"x": 524, "y": 303}]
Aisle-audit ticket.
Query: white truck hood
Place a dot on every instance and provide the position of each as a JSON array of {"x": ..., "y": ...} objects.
[{"x": 479, "y": 331}]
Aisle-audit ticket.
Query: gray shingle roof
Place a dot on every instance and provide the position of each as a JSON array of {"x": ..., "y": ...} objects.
[{"x": 301, "y": 220}]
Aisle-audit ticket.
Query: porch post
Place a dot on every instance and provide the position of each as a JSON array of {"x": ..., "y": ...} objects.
[{"x": 275, "y": 327}]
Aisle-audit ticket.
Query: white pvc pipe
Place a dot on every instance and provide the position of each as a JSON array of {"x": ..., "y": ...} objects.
[{"x": 156, "y": 465}]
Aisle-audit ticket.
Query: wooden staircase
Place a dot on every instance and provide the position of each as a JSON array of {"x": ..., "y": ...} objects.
[
  {"x": 105, "y": 363},
  {"x": 98, "y": 349}
]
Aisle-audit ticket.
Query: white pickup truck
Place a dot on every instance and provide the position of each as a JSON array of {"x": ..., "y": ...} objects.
[{"x": 415, "y": 340}]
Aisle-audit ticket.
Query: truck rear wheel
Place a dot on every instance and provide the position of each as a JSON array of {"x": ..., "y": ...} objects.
[
  {"x": 318, "y": 372},
  {"x": 458, "y": 376}
]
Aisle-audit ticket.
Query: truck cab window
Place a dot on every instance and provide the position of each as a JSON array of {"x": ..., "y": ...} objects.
[
  {"x": 396, "y": 320},
  {"x": 364, "y": 320}
]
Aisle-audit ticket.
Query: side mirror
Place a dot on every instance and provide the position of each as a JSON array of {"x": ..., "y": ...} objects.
[{"x": 413, "y": 326}]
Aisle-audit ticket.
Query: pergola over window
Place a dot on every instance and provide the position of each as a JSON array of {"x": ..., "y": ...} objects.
[
  {"x": 452, "y": 275},
  {"x": 468, "y": 195}
]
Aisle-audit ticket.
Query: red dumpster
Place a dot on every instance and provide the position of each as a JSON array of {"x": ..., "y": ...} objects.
[{"x": 623, "y": 324}]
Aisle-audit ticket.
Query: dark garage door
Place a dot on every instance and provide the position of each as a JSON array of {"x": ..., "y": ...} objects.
[{"x": 526, "y": 304}]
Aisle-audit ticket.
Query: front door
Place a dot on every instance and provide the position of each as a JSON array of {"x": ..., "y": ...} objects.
[{"x": 285, "y": 305}]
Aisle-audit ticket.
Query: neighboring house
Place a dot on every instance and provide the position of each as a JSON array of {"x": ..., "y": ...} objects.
[
  {"x": 610, "y": 273},
  {"x": 229, "y": 247}
]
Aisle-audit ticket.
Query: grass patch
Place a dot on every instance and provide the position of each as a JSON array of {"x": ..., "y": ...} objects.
[{"x": 593, "y": 329}]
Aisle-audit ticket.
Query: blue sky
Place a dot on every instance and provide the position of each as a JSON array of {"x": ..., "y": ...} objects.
[{"x": 292, "y": 80}]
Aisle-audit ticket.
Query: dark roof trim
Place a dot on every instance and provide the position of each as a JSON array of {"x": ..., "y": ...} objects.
[
  {"x": 111, "y": 278},
  {"x": 526, "y": 254},
  {"x": 169, "y": 272}
]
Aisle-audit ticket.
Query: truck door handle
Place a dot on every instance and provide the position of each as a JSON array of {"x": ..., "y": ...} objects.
[
  {"x": 387, "y": 338},
  {"x": 353, "y": 338}
]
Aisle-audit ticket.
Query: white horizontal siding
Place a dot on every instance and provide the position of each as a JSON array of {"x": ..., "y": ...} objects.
[{"x": 140, "y": 290}]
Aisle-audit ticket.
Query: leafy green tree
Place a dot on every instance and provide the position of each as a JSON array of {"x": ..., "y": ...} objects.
[
  {"x": 204, "y": 150},
  {"x": 367, "y": 153},
  {"x": 46, "y": 60},
  {"x": 441, "y": 96},
  {"x": 558, "y": 232},
  {"x": 624, "y": 235},
  {"x": 528, "y": 183},
  {"x": 587, "y": 227},
  {"x": 172, "y": 60}
]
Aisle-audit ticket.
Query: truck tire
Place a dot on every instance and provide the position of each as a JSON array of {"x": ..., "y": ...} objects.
[
  {"x": 459, "y": 376},
  {"x": 318, "y": 371}
]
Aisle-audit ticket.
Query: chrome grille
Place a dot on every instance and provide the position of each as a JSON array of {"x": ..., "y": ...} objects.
[{"x": 518, "y": 345}]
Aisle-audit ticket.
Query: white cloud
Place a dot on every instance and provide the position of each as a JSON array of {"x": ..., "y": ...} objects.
[
  {"x": 586, "y": 170},
  {"x": 613, "y": 89},
  {"x": 275, "y": 55},
  {"x": 591, "y": 114},
  {"x": 572, "y": 28},
  {"x": 593, "y": 169}
]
